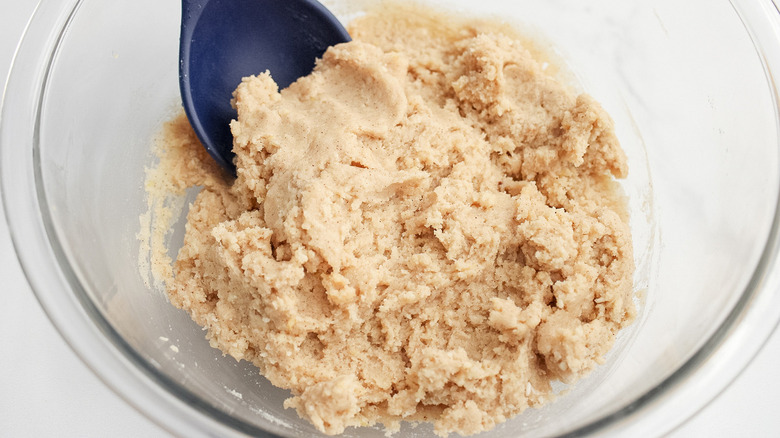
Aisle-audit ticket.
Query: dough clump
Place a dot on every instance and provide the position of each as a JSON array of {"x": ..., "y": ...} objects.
[{"x": 426, "y": 228}]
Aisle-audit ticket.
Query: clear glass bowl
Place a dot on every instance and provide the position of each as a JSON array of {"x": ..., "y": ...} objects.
[{"x": 691, "y": 86}]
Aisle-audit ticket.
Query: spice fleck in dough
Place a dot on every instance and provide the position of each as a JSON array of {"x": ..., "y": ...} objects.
[{"x": 427, "y": 227}]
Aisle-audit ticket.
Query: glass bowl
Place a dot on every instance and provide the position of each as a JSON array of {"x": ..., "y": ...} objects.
[{"x": 691, "y": 86}]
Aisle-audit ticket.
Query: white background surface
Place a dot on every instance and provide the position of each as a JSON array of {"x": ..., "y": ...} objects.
[{"x": 45, "y": 390}]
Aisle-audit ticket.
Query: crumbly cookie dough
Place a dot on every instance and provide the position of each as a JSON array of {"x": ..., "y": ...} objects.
[{"x": 426, "y": 228}]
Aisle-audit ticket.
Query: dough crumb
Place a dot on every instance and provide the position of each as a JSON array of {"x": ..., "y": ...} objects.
[{"x": 426, "y": 228}]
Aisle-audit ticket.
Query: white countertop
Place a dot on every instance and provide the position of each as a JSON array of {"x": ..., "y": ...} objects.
[{"x": 45, "y": 390}]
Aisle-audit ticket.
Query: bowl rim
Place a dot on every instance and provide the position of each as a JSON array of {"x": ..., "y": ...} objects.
[{"x": 667, "y": 405}]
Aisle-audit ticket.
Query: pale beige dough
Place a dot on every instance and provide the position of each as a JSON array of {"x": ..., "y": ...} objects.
[{"x": 427, "y": 227}]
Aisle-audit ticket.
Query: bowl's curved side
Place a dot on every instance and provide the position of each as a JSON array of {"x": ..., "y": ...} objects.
[{"x": 753, "y": 318}]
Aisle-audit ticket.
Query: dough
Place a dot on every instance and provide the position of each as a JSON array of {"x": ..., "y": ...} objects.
[{"x": 426, "y": 228}]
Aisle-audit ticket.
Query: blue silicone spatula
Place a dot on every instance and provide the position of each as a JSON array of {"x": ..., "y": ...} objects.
[{"x": 223, "y": 41}]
